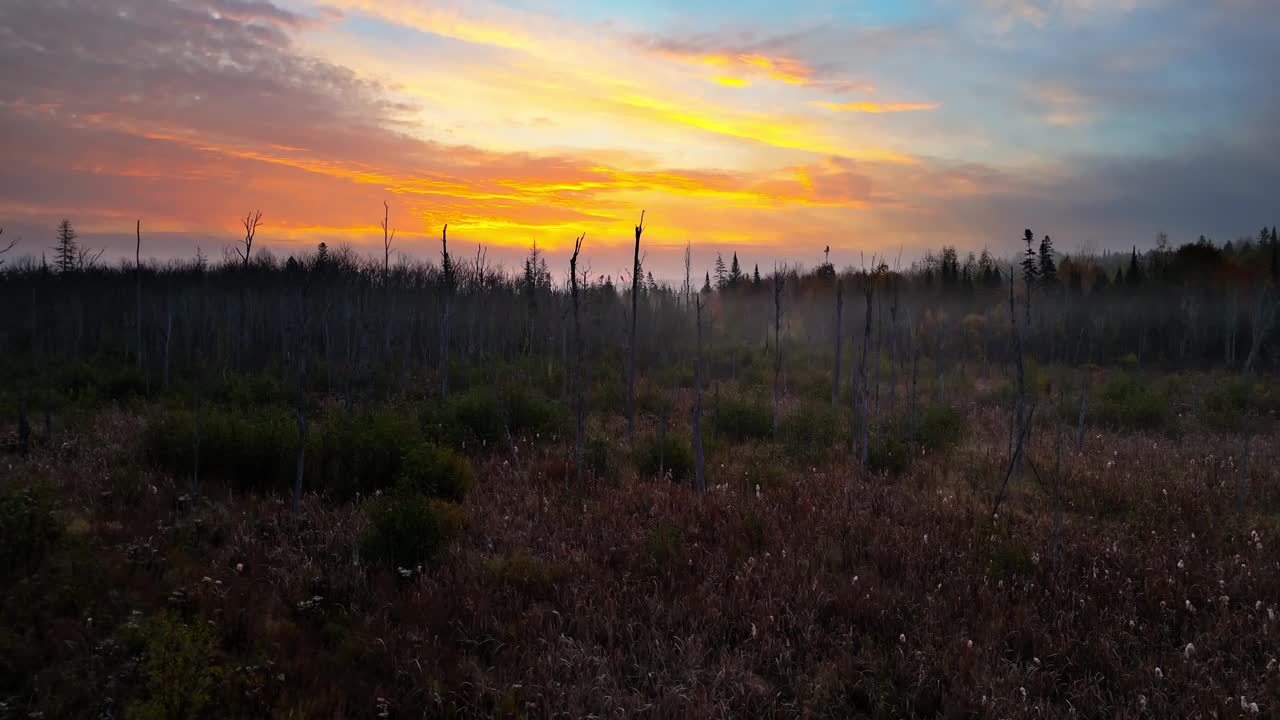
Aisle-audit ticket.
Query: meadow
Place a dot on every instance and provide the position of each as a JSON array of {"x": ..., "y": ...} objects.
[{"x": 334, "y": 487}]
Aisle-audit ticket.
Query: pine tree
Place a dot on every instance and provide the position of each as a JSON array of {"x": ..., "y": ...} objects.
[
  {"x": 1048, "y": 268},
  {"x": 65, "y": 257},
  {"x": 1275, "y": 257},
  {"x": 322, "y": 256},
  {"x": 1030, "y": 264},
  {"x": 1134, "y": 276},
  {"x": 755, "y": 277},
  {"x": 721, "y": 273},
  {"x": 735, "y": 272},
  {"x": 706, "y": 285}
]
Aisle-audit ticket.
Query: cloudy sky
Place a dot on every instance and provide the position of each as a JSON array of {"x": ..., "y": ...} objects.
[{"x": 768, "y": 127}]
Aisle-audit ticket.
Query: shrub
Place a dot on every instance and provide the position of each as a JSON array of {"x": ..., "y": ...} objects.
[
  {"x": 182, "y": 676},
  {"x": 405, "y": 530},
  {"x": 811, "y": 431},
  {"x": 255, "y": 451},
  {"x": 29, "y": 530},
  {"x": 434, "y": 471},
  {"x": 1128, "y": 403},
  {"x": 739, "y": 419},
  {"x": 525, "y": 573},
  {"x": 940, "y": 427},
  {"x": 361, "y": 453},
  {"x": 597, "y": 457},
  {"x": 889, "y": 453},
  {"x": 665, "y": 454}
]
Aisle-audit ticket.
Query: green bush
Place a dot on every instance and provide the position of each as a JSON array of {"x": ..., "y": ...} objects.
[
  {"x": 597, "y": 454},
  {"x": 483, "y": 415},
  {"x": 940, "y": 427},
  {"x": 1234, "y": 405},
  {"x": 253, "y": 450},
  {"x": 29, "y": 530},
  {"x": 182, "y": 673},
  {"x": 101, "y": 379},
  {"x": 889, "y": 453},
  {"x": 405, "y": 529},
  {"x": 665, "y": 454},
  {"x": 811, "y": 431},
  {"x": 256, "y": 449},
  {"x": 434, "y": 471},
  {"x": 1128, "y": 403},
  {"x": 358, "y": 453},
  {"x": 740, "y": 420}
]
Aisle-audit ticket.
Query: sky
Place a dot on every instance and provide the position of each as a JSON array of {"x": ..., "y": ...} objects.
[{"x": 770, "y": 129}]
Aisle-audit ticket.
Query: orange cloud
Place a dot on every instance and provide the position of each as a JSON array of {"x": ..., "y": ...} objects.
[{"x": 874, "y": 107}]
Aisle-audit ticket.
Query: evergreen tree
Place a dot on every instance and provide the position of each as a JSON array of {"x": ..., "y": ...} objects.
[
  {"x": 1275, "y": 257},
  {"x": 706, "y": 286},
  {"x": 755, "y": 277},
  {"x": 1134, "y": 276},
  {"x": 1030, "y": 265},
  {"x": 322, "y": 255},
  {"x": 1048, "y": 268},
  {"x": 721, "y": 273},
  {"x": 65, "y": 250},
  {"x": 735, "y": 272}
]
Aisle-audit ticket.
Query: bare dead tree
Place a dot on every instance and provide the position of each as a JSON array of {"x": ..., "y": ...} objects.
[
  {"x": 839, "y": 342},
  {"x": 688, "y": 264},
  {"x": 1015, "y": 461},
  {"x": 778, "y": 281},
  {"x": 1264, "y": 315},
  {"x": 1021, "y": 418},
  {"x": 893, "y": 339},
  {"x": 699, "y": 470},
  {"x": 864, "y": 388},
  {"x": 579, "y": 405},
  {"x": 914, "y": 401},
  {"x": 14, "y": 241},
  {"x": 388, "y": 236},
  {"x": 446, "y": 309},
  {"x": 1057, "y": 497},
  {"x": 137, "y": 263},
  {"x": 303, "y": 323},
  {"x": 631, "y": 344},
  {"x": 168, "y": 336},
  {"x": 251, "y": 222}
]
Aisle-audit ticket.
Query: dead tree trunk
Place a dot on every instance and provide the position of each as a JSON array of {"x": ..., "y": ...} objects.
[
  {"x": 699, "y": 469},
  {"x": 302, "y": 407},
  {"x": 137, "y": 262},
  {"x": 1057, "y": 501},
  {"x": 893, "y": 346},
  {"x": 579, "y": 409},
  {"x": 631, "y": 344},
  {"x": 445, "y": 311},
  {"x": 914, "y": 411},
  {"x": 1264, "y": 314},
  {"x": 839, "y": 338},
  {"x": 778, "y": 282},
  {"x": 1021, "y": 419},
  {"x": 868, "y": 291}
]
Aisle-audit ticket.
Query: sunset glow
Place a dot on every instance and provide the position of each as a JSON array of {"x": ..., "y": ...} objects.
[{"x": 862, "y": 125}]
